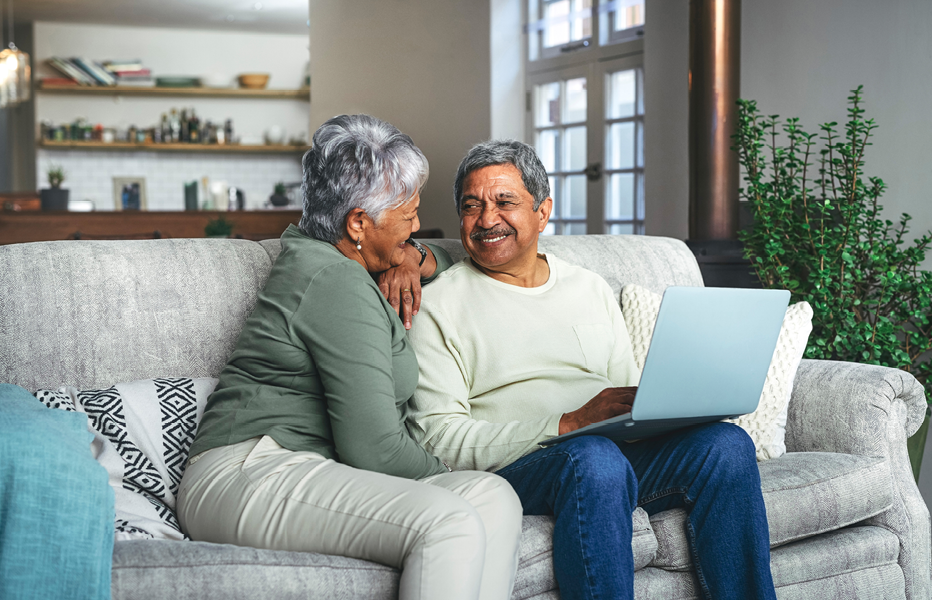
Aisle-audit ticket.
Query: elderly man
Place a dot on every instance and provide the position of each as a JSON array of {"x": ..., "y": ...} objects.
[{"x": 515, "y": 347}]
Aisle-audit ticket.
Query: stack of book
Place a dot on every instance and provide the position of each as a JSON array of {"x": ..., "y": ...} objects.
[
  {"x": 81, "y": 71},
  {"x": 130, "y": 72}
]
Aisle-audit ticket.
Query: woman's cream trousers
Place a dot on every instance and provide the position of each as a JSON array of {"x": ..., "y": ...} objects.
[{"x": 454, "y": 535}]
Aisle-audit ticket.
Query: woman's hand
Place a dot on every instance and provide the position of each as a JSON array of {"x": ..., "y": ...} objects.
[
  {"x": 401, "y": 286},
  {"x": 608, "y": 403}
]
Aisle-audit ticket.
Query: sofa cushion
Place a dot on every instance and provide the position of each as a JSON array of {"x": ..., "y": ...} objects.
[
  {"x": 535, "y": 563},
  {"x": 854, "y": 562},
  {"x": 142, "y": 433},
  {"x": 843, "y": 551},
  {"x": 767, "y": 424},
  {"x": 835, "y": 490},
  {"x": 91, "y": 313},
  {"x": 169, "y": 570}
]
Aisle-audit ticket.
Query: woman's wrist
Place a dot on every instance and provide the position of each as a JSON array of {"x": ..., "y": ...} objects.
[{"x": 430, "y": 264}]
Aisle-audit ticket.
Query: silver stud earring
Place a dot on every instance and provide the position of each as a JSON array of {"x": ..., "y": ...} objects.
[{"x": 358, "y": 245}]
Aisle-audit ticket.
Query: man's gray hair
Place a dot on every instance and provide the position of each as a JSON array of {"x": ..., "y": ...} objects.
[
  {"x": 357, "y": 161},
  {"x": 501, "y": 152}
]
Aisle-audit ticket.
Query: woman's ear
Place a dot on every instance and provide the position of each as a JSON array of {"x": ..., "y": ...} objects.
[{"x": 356, "y": 224}]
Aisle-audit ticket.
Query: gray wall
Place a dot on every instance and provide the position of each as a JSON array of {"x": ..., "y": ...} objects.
[
  {"x": 422, "y": 65},
  {"x": 800, "y": 58}
]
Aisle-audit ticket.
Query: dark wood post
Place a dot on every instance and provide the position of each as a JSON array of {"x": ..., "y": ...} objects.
[{"x": 714, "y": 82}]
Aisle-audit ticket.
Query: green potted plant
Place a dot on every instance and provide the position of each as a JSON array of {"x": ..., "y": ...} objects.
[
  {"x": 54, "y": 198},
  {"x": 278, "y": 198},
  {"x": 218, "y": 228},
  {"x": 818, "y": 231}
]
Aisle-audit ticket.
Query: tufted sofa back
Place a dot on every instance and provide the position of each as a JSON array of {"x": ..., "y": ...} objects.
[{"x": 94, "y": 313}]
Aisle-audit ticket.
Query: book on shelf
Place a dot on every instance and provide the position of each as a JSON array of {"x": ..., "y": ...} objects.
[
  {"x": 136, "y": 73},
  {"x": 59, "y": 81},
  {"x": 115, "y": 66},
  {"x": 136, "y": 81},
  {"x": 96, "y": 72},
  {"x": 65, "y": 67}
]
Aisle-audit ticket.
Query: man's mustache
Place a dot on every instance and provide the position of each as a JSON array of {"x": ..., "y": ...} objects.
[{"x": 481, "y": 233}]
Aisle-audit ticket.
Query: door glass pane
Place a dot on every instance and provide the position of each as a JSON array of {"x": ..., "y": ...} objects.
[
  {"x": 574, "y": 158},
  {"x": 640, "y": 152},
  {"x": 640, "y": 79},
  {"x": 582, "y": 19},
  {"x": 621, "y": 145},
  {"x": 557, "y": 27},
  {"x": 557, "y": 195},
  {"x": 640, "y": 196},
  {"x": 550, "y": 229},
  {"x": 622, "y": 94},
  {"x": 548, "y": 148},
  {"x": 574, "y": 199},
  {"x": 620, "y": 201},
  {"x": 621, "y": 229},
  {"x": 547, "y": 105},
  {"x": 574, "y": 229},
  {"x": 575, "y": 111},
  {"x": 630, "y": 13}
]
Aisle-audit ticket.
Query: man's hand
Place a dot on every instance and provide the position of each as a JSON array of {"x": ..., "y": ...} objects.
[
  {"x": 401, "y": 286},
  {"x": 608, "y": 403}
]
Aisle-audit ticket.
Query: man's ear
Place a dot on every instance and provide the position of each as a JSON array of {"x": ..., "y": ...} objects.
[
  {"x": 357, "y": 222},
  {"x": 543, "y": 212}
]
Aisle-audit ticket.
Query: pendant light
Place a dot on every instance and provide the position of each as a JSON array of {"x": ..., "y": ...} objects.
[{"x": 15, "y": 72}]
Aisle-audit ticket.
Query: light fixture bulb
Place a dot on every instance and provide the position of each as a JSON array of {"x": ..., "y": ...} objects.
[{"x": 11, "y": 62}]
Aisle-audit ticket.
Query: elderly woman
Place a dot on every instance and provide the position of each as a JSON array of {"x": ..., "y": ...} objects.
[{"x": 303, "y": 444}]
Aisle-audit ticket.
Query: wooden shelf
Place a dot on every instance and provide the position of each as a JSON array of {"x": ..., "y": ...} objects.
[
  {"x": 202, "y": 92},
  {"x": 40, "y": 226},
  {"x": 126, "y": 146}
]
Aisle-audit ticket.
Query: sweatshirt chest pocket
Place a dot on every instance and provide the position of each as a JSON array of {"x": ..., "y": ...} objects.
[{"x": 596, "y": 342}]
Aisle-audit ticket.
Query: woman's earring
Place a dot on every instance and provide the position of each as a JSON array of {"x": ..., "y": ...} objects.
[{"x": 358, "y": 245}]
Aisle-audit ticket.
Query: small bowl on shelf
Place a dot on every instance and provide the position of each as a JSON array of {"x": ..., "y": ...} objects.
[{"x": 253, "y": 81}]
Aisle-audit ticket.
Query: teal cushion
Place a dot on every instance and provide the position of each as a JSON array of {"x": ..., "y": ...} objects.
[{"x": 56, "y": 507}]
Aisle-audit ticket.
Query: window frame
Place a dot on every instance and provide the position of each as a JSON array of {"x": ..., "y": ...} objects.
[{"x": 593, "y": 61}]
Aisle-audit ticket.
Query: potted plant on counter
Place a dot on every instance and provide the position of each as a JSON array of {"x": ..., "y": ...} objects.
[
  {"x": 279, "y": 197},
  {"x": 218, "y": 228},
  {"x": 54, "y": 198}
]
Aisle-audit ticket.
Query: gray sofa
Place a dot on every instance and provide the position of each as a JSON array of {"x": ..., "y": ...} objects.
[{"x": 846, "y": 518}]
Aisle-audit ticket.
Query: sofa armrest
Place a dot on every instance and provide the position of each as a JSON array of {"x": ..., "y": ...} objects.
[
  {"x": 870, "y": 411},
  {"x": 853, "y": 408}
]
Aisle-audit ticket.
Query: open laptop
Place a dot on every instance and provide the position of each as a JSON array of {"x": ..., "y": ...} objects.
[{"x": 708, "y": 359}]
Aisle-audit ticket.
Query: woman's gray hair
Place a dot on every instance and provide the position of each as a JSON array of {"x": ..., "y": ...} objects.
[
  {"x": 357, "y": 161},
  {"x": 502, "y": 152}
]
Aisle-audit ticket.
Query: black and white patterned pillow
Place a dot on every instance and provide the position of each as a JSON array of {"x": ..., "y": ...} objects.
[{"x": 142, "y": 433}]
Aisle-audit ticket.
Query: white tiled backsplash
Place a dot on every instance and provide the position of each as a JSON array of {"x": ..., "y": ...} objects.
[{"x": 89, "y": 175}]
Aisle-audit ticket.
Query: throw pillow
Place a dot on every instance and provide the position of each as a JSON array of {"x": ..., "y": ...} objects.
[
  {"x": 142, "y": 433},
  {"x": 767, "y": 424}
]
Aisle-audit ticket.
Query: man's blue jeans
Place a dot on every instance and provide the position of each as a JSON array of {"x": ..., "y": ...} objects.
[{"x": 591, "y": 486}]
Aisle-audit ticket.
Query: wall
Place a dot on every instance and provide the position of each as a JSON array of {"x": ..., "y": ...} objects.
[
  {"x": 508, "y": 51},
  {"x": 801, "y": 58},
  {"x": 422, "y": 65},
  {"x": 666, "y": 114},
  {"x": 216, "y": 56}
]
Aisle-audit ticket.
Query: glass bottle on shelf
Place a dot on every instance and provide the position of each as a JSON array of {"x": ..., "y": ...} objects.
[
  {"x": 175, "y": 126},
  {"x": 194, "y": 128}
]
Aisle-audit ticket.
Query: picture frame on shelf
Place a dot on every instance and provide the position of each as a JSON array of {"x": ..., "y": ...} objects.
[{"x": 129, "y": 193}]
